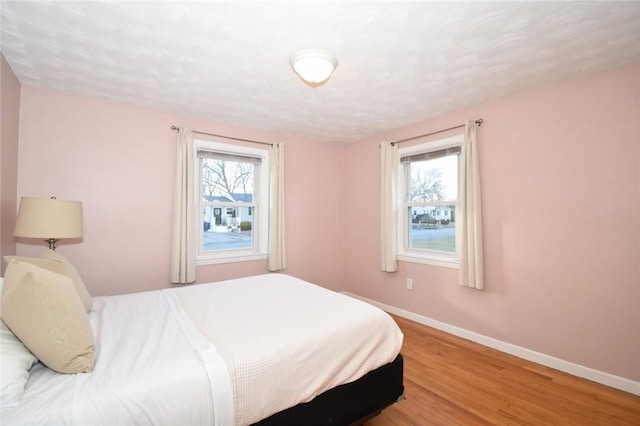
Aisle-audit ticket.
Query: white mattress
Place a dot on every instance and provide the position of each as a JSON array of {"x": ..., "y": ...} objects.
[
  {"x": 249, "y": 347},
  {"x": 285, "y": 341}
]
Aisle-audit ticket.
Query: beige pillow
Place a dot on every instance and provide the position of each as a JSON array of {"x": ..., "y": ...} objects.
[
  {"x": 56, "y": 263},
  {"x": 42, "y": 309}
]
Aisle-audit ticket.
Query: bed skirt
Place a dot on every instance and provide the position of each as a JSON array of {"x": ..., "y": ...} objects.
[{"x": 349, "y": 404}]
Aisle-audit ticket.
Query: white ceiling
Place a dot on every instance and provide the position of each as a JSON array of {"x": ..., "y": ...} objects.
[{"x": 398, "y": 62}]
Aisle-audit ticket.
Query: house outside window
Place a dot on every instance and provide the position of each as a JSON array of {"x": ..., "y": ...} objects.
[
  {"x": 233, "y": 196},
  {"x": 431, "y": 184}
]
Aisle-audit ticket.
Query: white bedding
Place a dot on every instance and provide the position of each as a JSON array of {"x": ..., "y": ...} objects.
[
  {"x": 249, "y": 347},
  {"x": 145, "y": 373},
  {"x": 285, "y": 341}
]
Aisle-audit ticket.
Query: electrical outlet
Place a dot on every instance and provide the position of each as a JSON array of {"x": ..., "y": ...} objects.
[{"x": 409, "y": 284}]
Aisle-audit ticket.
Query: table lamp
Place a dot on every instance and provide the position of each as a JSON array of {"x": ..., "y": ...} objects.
[{"x": 49, "y": 219}]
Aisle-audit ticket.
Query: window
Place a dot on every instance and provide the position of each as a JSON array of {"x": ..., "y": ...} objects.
[
  {"x": 233, "y": 197},
  {"x": 431, "y": 176}
]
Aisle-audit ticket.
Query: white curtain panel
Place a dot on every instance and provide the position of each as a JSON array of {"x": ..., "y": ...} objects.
[
  {"x": 389, "y": 162},
  {"x": 184, "y": 237},
  {"x": 277, "y": 256},
  {"x": 471, "y": 259}
]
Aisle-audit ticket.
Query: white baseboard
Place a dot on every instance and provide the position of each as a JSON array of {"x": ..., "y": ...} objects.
[{"x": 524, "y": 353}]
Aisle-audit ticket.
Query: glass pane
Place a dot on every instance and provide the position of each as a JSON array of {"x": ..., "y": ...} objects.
[
  {"x": 434, "y": 180},
  {"x": 225, "y": 180},
  {"x": 227, "y": 228},
  {"x": 432, "y": 228}
]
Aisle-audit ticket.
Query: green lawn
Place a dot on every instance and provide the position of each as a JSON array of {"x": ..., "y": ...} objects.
[{"x": 442, "y": 244}]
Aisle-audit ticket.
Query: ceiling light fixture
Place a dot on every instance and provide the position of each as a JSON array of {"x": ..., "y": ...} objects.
[{"x": 314, "y": 66}]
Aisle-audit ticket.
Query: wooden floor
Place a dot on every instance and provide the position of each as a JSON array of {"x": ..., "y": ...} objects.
[{"x": 452, "y": 381}]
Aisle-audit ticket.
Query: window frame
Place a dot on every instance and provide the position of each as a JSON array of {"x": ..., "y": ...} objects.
[
  {"x": 260, "y": 204},
  {"x": 424, "y": 256}
]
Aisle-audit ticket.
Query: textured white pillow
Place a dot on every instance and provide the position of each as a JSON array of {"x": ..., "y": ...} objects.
[{"x": 15, "y": 364}]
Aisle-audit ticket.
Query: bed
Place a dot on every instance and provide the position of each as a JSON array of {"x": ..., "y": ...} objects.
[{"x": 268, "y": 350}]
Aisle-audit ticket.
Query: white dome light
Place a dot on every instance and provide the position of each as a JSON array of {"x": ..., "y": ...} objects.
[{"x": 314, "y": 66}]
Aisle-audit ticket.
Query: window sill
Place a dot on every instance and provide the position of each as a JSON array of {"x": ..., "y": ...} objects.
[
  {"x": 444, "y": 262},
  {"x": 229, "y": 258}
]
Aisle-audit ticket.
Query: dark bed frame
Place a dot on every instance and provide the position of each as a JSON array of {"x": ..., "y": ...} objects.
[{"x": 349, "y": 404}]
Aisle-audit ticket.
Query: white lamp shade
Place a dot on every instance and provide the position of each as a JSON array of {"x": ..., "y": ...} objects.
[
  {"x": 48, "y": 218},
  {"x": 313, "y": 65}
]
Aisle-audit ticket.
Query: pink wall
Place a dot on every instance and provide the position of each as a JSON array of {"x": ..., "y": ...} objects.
[
  {"x": 9, "y": 118},
  {"x": 119, "y": 160},
  {"x": 561, "y": 178}
]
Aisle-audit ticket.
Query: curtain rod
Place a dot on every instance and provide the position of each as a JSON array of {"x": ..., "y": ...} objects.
[
  {"x": 478, "y": 122},
  {"x": 223, "y": 136}
]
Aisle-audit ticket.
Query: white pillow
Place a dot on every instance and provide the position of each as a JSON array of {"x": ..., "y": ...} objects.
[{"x": 15, "y": 362}]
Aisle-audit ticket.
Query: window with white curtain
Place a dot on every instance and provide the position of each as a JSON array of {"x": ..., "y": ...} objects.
[
  {"x": 233, "y": 191},
  {"x": 431, "y": 185}
]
